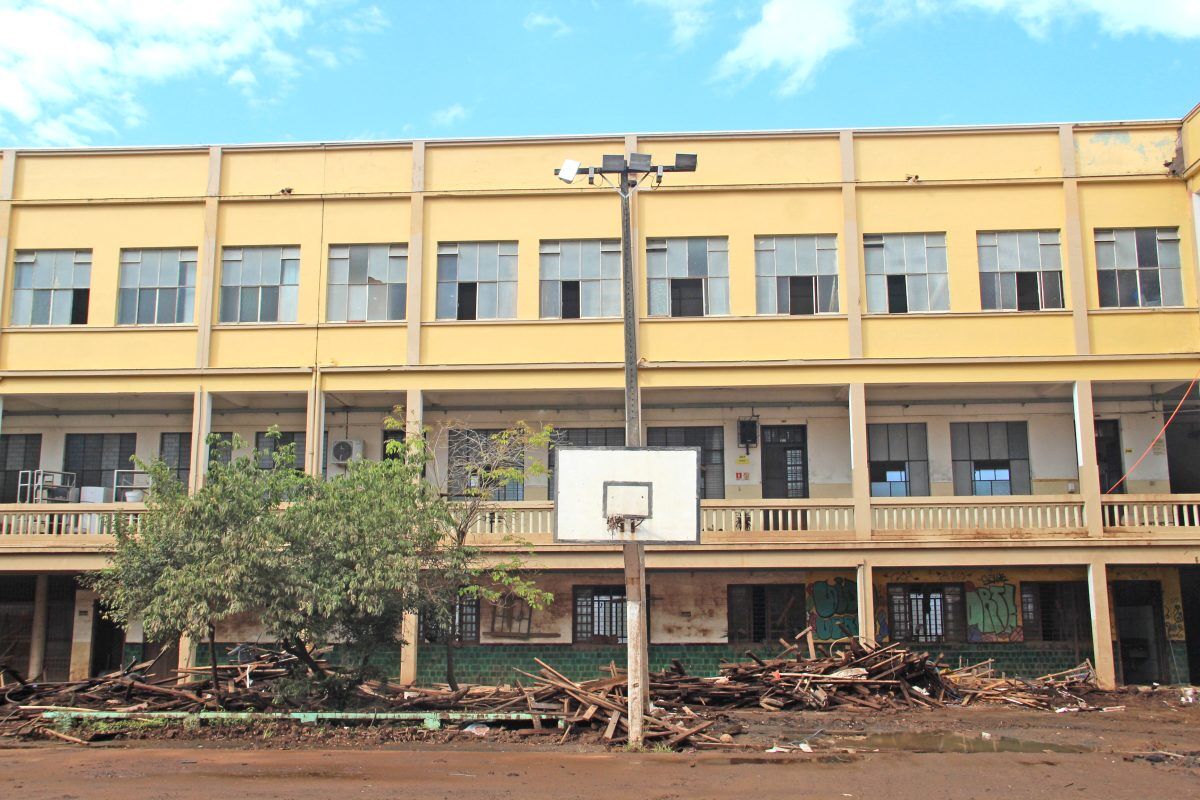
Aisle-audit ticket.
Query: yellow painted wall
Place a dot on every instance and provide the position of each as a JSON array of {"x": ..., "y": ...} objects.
[
  {"x": 498, "y": 167},
  {"x": 1191, "y": 148},
  {"x": 760, "y": 339},
  {"x": 550, "y": 342},
  {"x": 57, "y": 348},
  {"x": 1152, "y": 331},
  {"x": 313, "y": 171},
  {"x": 958, "y": 156},
  {"x": 982, "y": 334},
  {"x": 1125, "y": 151},
  {"x": 94, "y": 176},
  {"x": 767, "y": 160}
]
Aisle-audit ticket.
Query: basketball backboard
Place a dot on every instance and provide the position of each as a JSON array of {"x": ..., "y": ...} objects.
[{"x": 627, "y": 494}]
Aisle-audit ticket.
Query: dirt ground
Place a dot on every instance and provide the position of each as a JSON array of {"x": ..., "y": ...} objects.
[{"x": 1151, "y": 749}]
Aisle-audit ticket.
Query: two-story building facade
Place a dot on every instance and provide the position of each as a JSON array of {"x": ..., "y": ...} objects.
[{"x": 959, "y": 349}]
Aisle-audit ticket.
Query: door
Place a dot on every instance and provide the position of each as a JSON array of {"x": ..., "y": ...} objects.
[
  {"x": 1109, "y": 455},
  {"x": 1183, "y": 456},
  {"x": 1137, "y": 606},
  {"x": 108, "y": 643},
  {"x": 784, "y": 474}
]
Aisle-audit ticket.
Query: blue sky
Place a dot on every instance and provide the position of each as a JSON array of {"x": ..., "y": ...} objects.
[{"x": 125, "y": 72}]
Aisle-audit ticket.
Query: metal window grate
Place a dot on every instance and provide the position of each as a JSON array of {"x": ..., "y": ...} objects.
[
  {"x": 710, "y": 440},
  {"x": 175, "y": 449},
  {"x": 18, "y": 451},
  {"x": 94, "y": 456},
  {"x": 599, "y": 616}
]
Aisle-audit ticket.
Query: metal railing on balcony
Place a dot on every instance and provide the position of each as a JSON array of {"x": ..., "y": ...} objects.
[
  {"x": 65, "y": 519},
  {"x": 1134, "y": 512},
  {"x": 979, "y": 515}
]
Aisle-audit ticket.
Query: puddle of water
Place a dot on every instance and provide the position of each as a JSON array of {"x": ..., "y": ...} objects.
[{"x": 942, "y": 743}]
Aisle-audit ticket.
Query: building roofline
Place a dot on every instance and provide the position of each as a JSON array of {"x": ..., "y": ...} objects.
[{"x": 601, "y": 137}]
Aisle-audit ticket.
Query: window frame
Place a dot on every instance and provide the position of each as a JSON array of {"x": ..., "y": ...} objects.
[
  {"x": 185, "y": 292},
  {"x": 774, "y": 265},
  {"x": 466, "y": 623},
  {"x": 1009, "y": 252},
  {"x": 81, "y": 273},
  {"x": 985, "y": 450},
  {"x": 887, "y": 434},
  {"x": 880, "y": 268},
  {"x": 711, "y": 458},
  {"x": 614, "y": 618},
  {"x": 951, "y": 624},
  {"x": 559, "y": 256},
  {"x": 287, "y": 253},
  {"x": 768, "y": 618},
  {"x": 1107, "y": 244},
  {"x": 507, "y": 273},
  {"x": 392, "y": 252},
  {"x": 662, "y": 270},
  {"x": 265, "y": 443}
]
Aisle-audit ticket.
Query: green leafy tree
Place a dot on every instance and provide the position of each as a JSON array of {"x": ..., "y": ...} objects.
[{"x": 196, "y": 560}]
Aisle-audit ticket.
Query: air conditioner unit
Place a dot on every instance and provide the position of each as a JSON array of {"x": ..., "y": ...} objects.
[{"x": 342, "y": 451}]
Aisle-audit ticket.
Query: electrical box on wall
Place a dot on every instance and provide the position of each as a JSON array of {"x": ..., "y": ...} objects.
[{"x": 748, "y": 432}]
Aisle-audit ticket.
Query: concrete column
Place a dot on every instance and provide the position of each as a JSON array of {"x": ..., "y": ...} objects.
[
  {"x": 416, "y": 256},
  {"x": 849, "y": 247},
  {"x": 314, "y": 439},
  {"x": 8, "y": 175},
  {"x": 1102, "y": 625},
  {"x": 81, "y": 634},
  {"x": 865, "y": 587},
  {"x": 186, "y": 655},
  {"x": 860, "y": 476},
  {"x": 1085, "y": 449},
  {"x": 207, "y": 285},
  {"x": 37, "y": 640},
  {"x": 1073, "y": 236},
  {"x": 408, "y": 651},
  {"x": 414, "y": 413},
  {"x": 201, "y": 428}
]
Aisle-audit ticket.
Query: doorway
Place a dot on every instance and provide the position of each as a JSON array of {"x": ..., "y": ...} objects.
[
  {"x": 1109, "y": 455},
  {"x": 1183, "y": 456},
  {"x": 784, "y": 474},
  {"x": 108, "y": 643},
  {"x": 1189, "y": 588},
  {"x": 1137, "y": 607}
]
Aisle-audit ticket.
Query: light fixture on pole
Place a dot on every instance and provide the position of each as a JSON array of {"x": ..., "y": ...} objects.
[{"x": 631, "y": 171}]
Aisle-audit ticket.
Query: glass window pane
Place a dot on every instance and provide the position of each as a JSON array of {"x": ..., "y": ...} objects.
[
  {"x": 875, "y": 260},
  {"x": 718, "y": 264},
  {"x": 893, "y": 254},
  {"x": 508, "y": 267},
  {"x": 697, "y": 257},
  {"x": 489, "y": 262},
  {"x": 1051, "y": 256},
  {"x": 589, "y": 298},
  {"x": 377, "y": 264},
  {"x": 468, "y": 262},
  {"x": 356, "y": 303},
  {"x": 447, "y": 268},
  {"x": 1127, "y": 287},
  {"x": 506, "y": 300},
  {"x": 358, "y": 265},
  {"x": 268, "y": 307},
  {"x": 936, "y": 258},
  {"x": 126, "y": 307},
  {"x": 1028, "y": 246},
  {"x": 43, "y": 271},
  {"x": 166, "y": 306},
  {"x": 939, "y": 292},
  {"x": 659, "y": 298},
  {"x": 231, "y": 273},
  {"x": 184, "y": 308},
  {"x": 806, "y": 255},
  {"x": 877, "y": 294},
  {"x": 550, "y": 304},
  {"x": 677, "y": 262},
  {"x": 1148, "y": 281},
  {"x": 1126, "y": 248},
  {"x": 377, "y": 301},
  {"x": 398, "y": 269},
  {"x": 60, "y": 309},
  {"x": 548, "y": 266},
  {"x": 397, "y": 301},
  {"x": 785, "y": 255},
  {"x": 1052, "y": 289},
  {"x": 23, "y": 276},
  {"x": 1168, "y": 253},
  {"x": 1008, "y": 290},
  {"x": 248, "y": 306},
  {"x": 41, "y": 307},
  {"x": 827, "y": 262},
  {"x": 764, "y": 292},
  {"x": 989, "y": 298},
  {"x": 718, "y": 296},
  {"x": 64, "y": 269},
  {"x": 127, "y": 277},
  {"x": 447, "y": 299},
  {"x": 168, "y": 267},
  {"x": 486, "y": 301},
  {"x": 22, "y": 306},
  {"x": 289, "y": 300},
  {"x": 1106, "y": 280},
  {"x": 914, "y": 254},
  {"x": 251, "y": 266},
  {"x": 339, "y": 271},
  {"x": 590, "y": 254},
  {"x": 918, "y": 292},
  {"x": 827, "y": 290},
  {"x": 229, "y": 304},
  {"x": 1171, "y": 287},
  {"x": 611, "y": 298},
  {"x": 271, "y": 267}
]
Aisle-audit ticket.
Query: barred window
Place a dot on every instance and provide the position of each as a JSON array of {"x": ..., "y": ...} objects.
[
  {"x": 465, "y": 624},
  {"x": 599, "y": 615},
  {"x": 157, "y": 286},
  {"x": 51, "y": 287},
  {"x": 18, "y": 451},
  {"x": 906, "y": 272},
  {"x": 796, "y": 274},
  {"x": 710, "y": 440},
  {"x": 765, "y": 612},
  {"x": 580, "y": 279},
  {"x": 899, "y": 459},
  {"x": 260, "y": 284},
  {"x": 688, "y": 277},
  {"x": 1020, "y": 270},
  {"x": 1138, "y": 267},
  {"x": 477, "y": 280},
  {"x": 466, "y": 450},
  {"x": 990, "y": 458},
  {"x": 367, "y": 282},
  {"x": 93, "y": 457},
  {"x": 1055, "y": 611},
  {"x": 175, "y": 450},
  {"x": 267, "y": 445},
  {"x": 926, "y": 613}
]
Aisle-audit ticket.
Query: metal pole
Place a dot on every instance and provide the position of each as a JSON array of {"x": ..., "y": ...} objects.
[{"x": 638, "y": 662}]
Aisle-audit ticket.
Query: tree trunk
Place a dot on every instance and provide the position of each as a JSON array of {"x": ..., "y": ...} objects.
[
  {"x": 212, "y": 661},
  {"x": 450, "y": 647},
  {"x": 300, "y": 651}
]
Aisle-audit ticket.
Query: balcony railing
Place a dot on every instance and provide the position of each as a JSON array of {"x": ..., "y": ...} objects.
[
  {"x": 733, "y": 521},
  {"x": 993, "y": 516},
  {"x": 1150, "y": 512}
]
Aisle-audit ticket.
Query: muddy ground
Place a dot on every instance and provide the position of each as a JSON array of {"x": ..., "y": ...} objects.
[{"x": 1151, "y": 749}]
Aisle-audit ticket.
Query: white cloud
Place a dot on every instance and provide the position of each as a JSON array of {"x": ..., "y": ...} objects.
[
  {"x": 365, "y": 20},
  {"x": 555, "y": 25},
  {"x": 323, "y": 55},
  {"x": 72, "y": 70},
  {"x": 688, "y": 18},
  {"x": 449, "y": 115},
  {"x": 793, "y": 36}
]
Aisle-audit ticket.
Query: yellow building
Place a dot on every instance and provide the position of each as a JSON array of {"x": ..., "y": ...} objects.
[{"x": 953, "y": 342}]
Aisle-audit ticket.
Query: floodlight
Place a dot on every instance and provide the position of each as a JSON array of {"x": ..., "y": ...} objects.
[
  {"x": 639, "y": 162},
  {"x": 612, "y": 163},
  {"x": 568, "y": 170},
  {"x": 685, "y": 162}
]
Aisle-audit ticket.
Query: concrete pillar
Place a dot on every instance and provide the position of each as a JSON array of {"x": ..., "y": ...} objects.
[
  {"x": 81, "y": 634},
  {"x": 860, "y": 475},
  {"x": 37, "y": 640},
  {"x": 207, "y": 285},
  {"x": 187, "y": 655},
  {"x": 201, "y": 428},
  {"x": 314, "y": 447},
  {"x": 1085, "y": 448},
  {"x": 414, "y": 413},
  {"x": 851, "y": 241},
  {"x": 416, "y": 256},
  {"x": 408, "y": 651},
  {"x": 1102, "y": 625},
  {"x": 865, "y": 588}
]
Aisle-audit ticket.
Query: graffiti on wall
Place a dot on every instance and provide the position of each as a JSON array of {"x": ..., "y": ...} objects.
[
  {"x": 834, "y": 609},
  {"x": 992, "y": 614}
]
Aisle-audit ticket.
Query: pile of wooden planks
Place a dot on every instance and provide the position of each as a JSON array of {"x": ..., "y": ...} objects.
[{"x": 979, "y": 683}]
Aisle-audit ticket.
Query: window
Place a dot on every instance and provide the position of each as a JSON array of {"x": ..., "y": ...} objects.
[
  {"x": 466, "y": 450},
  {"x": 18, "y": 451},
  {"x": 906, "y": 272},
  {"x": 990, "y": 458},
  {"x": 1055, "y": 611},
  {"x": 581, "y": 279},
  {"x": 512, "y": 618},
  {"x": 765, "y": 613},
  {"x": 392, "y": 436},
  {"x": 1020, "y": 270},
  {"x": 898, "y": 453},
  {"x": 1138, "y": 267},
  {"x": 93, "y": 457},
  {"x": 221, "y": 451},
  {"x": 711, "y": 441},
  {"x": 599, "y": 616},
  {"x": 158, "y": 286},
  {"x": 926, "y": 613},
  {"x": 688, "y": 277},
  {"x": 267, "y": 445},
  {"x": 466, "y": 624},
  {"x": 580, "y": 437},
  {"x": 260, "y": 284},
  {"x": 175, "y": 450},
  {"x": 51, "y": 287},
  {"x": 367, "y": 282},
  {"x": 477, "y": 280},
  {"x": 796, "y": 274}
]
